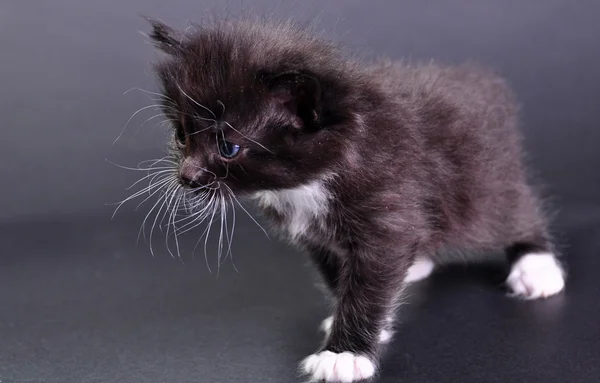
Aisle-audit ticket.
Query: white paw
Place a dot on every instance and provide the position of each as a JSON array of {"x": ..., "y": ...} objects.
[
  {"x": 332, "y": 367},
  {"x": 421, "y": 269},
  {"x": 536, "y": 276},
  {"x": 384, "y": 336}
]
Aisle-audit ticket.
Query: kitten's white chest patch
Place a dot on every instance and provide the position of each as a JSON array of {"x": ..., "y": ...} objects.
[{"x": 300, "y": 206}]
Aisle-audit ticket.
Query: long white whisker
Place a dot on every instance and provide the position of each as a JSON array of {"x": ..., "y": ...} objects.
[
  {"x": 168, "y": 159},
  {"x": 220, "y": 247},
  {"x": 156, "y": 186},
  {"x": 142, "y": 227},
  {"x": 139, "y": 168},
  {"x": 197, "y": 103},
  {"x": 192, "y": 218},
  {"x": 223, "y": 106},
  {"x": 169, "y": 210},
  {"x": 248, "y": 138},
  {"x": 167, "y": 180},
  {"x": 206, "y": 231},
  {"x": 172, "y": 186},
  {"x": 152, "y": 118},
  {"x": 151, "y": 175},
  {"x": 198, "y": 218},
  {"x": 147, "y": 91},
  {"x": 131, "y": 118},
  {"x": 246, "y": 211},
  {"x": 226, "y": 226},
  {"x": 212, "y": 217},
  {"x": 203, "y": 130},
  {"x": 232, "y": 231},
  {"x": 171, "y": 218}
]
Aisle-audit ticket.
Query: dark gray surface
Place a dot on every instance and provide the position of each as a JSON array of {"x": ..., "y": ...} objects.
[{"x": 79, "y": 302}]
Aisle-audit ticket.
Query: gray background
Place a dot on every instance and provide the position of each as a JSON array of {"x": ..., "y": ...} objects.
[
  {"x": 80, "y": 302},
  {"x": 66, "y": 63}
]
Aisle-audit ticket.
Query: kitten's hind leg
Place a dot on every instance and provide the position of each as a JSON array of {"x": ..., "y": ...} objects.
[{"x": 535, "y": 272}]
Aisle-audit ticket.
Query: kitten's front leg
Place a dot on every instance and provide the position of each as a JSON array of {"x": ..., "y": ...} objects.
[
  {"x": 329, "y": 266},
  {"x": 366, "y": 291}
]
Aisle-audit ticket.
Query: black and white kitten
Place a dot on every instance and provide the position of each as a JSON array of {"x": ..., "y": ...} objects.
[{"x": 376, "y": 171}]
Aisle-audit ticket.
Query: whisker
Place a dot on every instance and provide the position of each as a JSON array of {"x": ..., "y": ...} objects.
[
  {"x": 190, "y": 222},
  {"x": 214, "y": 212},
  {"x": 197, "y": 103},
  {"x": 149, "y": 92},
  {"x": 166, "y": 180},
  {"x": 156, "y": 186},
  {"x": 203, "y": 130},
  {"x": 197, "y": 218},
  {"x": 153, "y": 117},
  {"x": 151, "y": 175},
  {"x": 138, "y": 168},
  {"x": 158, "y": 202},
  {"x": 142, "y": 226},
  {"x": 223, "y": 106},
  {"x": 193, "y": 215},
  {"x": 168, "y": 158},
  {"x": 166, "y": 102},
  {"x": 232, "y": 231},
  {"x": 173, "y": 216},
  {"x": 131, "y": 118},
  {"x": 167, "y": 192},
  {"x": 206, "y": 231},
  {"x": 246, "y": 211},
  {"x": 169, "y": 209},
  {"x": 248, "y": 138}
]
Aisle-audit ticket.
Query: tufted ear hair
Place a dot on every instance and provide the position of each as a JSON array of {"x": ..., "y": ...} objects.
[
  {"x": 165, "y": 38},
  {"x": 300, "y": 94}
]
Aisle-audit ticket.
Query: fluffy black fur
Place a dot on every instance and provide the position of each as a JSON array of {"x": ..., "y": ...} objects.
[{"x": 414, "y": 159}]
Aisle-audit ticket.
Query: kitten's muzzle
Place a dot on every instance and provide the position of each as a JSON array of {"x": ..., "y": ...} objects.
[
  {"x": 188, "y": 182},
  {"x": 193, "y": 176},
  {"x": 198, "y": 180}
]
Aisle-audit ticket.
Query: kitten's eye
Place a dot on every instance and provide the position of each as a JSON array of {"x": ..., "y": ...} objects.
[
  {"x": 180, "y": 134},
  {"x": 228, "y": 149}
]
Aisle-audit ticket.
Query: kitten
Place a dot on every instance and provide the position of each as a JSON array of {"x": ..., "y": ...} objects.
[{"x": 375, "y": 170}]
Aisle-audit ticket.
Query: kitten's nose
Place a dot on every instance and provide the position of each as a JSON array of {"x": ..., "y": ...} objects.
[
  {"x": 191, "y": 174},
  {"x": 189, "y": 182}
]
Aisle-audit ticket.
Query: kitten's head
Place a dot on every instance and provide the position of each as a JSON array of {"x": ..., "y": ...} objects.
[{"x": 253, "y": 106}]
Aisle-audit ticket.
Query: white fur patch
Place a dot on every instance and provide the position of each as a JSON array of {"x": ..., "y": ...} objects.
[
  {"x": 299, "y": 205},
  {"x": 421, "y": 269},
  {"x": 326, "y": 326},
  {"x": 332, "y": 367},
  {"x": 384, "y": 336},
  {"x": 536, "y": 276}
]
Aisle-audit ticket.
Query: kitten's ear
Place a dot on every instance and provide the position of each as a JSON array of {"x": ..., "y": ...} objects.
[
  {"x": 300, "y": 94},
  {"x": 164, "y": 37}
]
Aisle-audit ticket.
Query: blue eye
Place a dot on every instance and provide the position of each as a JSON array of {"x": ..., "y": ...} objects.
[{"x": 228, "y": 149}]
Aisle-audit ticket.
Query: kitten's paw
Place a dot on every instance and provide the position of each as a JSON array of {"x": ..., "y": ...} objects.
[
  {"x": 421, "y": 269},
  {"x": 384, "y": 336},
  {"x": 332, "y": 367},
  {"x": 536, "y": 276}
]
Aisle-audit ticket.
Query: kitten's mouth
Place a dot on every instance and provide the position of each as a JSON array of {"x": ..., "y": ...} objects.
[{"x": 203, "y": 190}]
